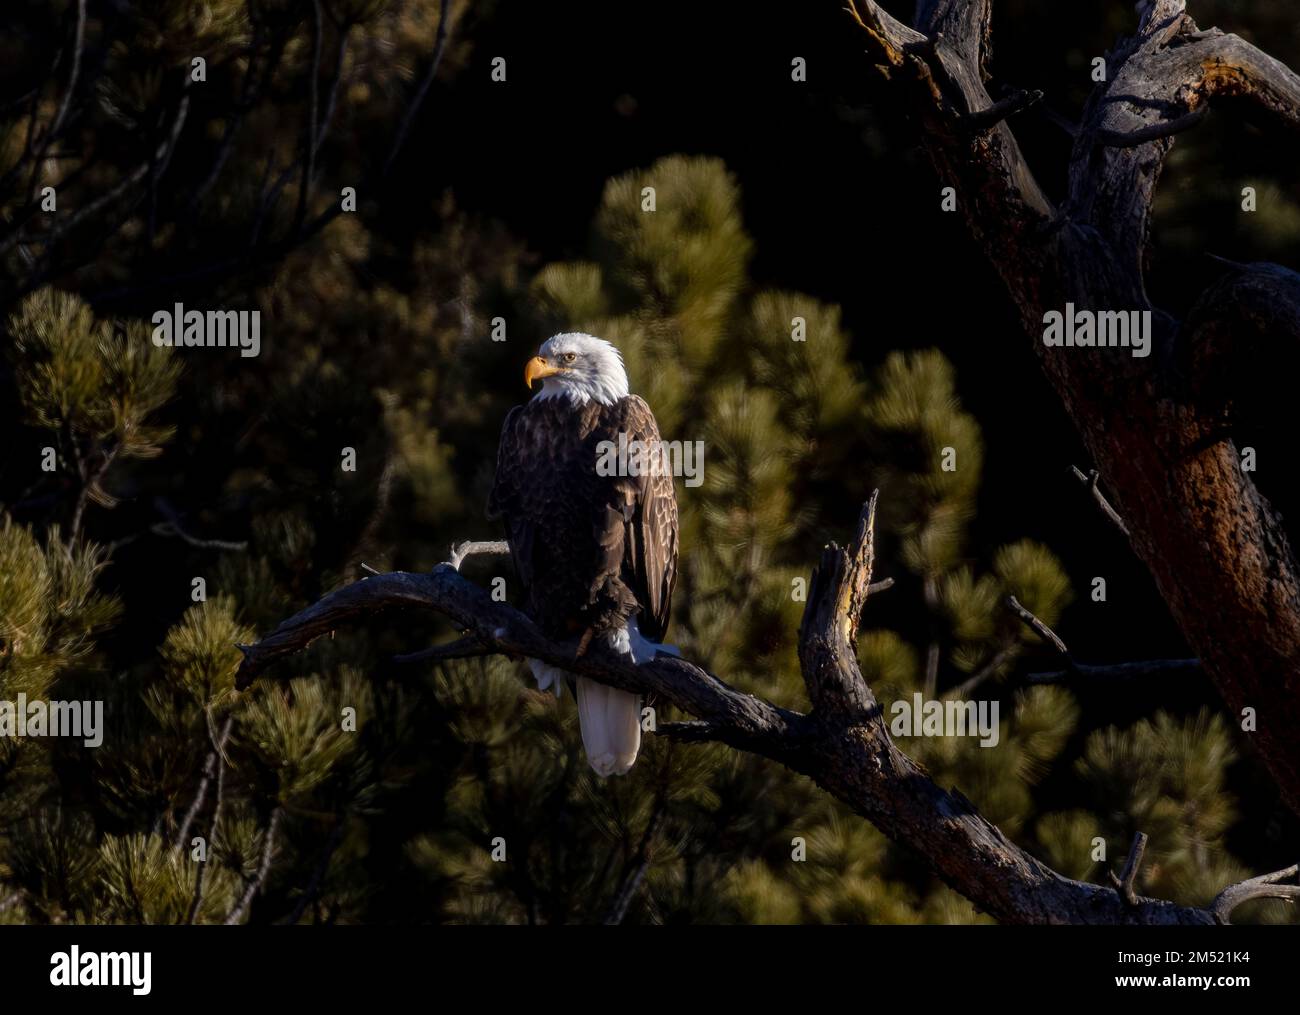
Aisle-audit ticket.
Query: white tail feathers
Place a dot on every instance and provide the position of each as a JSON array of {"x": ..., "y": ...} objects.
[
  {"x": 610, "y": 718},
  {"x": 611, "y": 726}
]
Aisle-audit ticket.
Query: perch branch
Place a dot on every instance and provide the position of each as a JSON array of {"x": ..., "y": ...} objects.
[{"x": 844, "y": 744}]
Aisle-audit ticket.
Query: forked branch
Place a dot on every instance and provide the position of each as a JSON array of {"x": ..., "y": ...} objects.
[{"x": 843, "y": 743}]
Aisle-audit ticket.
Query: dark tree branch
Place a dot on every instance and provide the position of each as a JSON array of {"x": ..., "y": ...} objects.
[
  {"x": 439, "y": 46},
  {"x": 1091, "y": 481},
  {"x": 1128, "y": 878},
  {"x": 210, "y": 765},
  {"x": 1000, "y": 658},
  {"x": 1016, "y": 102},
  {"x": 1037, "y": 626},
  {"x": 1217, "y": 550},
  {"x": 1266, "y": 886},
  {"x": 159, "y": 157},
  {"x": 843, "y": 744},
  {"x": 1151, "y": 132},
  {"x": 257, "y": 882},
  {"x": 640, "y": 864},
  {"x": 1084, "y": 672},
  {"x": 202, "y": 869},
  {"x": 309, "y": 145},
  {"x": 468, "y": 647}
]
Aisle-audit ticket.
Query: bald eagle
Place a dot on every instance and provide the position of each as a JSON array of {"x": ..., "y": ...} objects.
[{"x": 596, "y": 553}]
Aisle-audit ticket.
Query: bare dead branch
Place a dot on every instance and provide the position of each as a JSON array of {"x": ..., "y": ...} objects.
[
  {"x": 844, "y": 744},
  {"x": 1018, "y": 101},
  {"x": 641, "y": 863},
  {"x": 1266, "y": 886},
  {"x": 491, "y": 548},
  {"x": 1037, "y": 626},
  {"x": 1083, "y": 672},
  {"x": 1091, "y": 480},
  {"x": 1151, "y": 132},
  {"x": 828, "y": 635},
  {"x": 258, "y": 881},
  {"x": 1128, "y": 877},
  {"x": 1156, "y": 434},
  {"x": 78, "y": 46},
  {"x": 209, "y": 772},
  {"x": 64, "y": 226},
  {"x": 1000, "y": 658},
  {"x": 201, "y": 870}
]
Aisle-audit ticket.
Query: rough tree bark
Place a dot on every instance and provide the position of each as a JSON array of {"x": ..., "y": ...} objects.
[
  {"x": 1216, "y": 549},
  {"x": 843, "y": 743}
]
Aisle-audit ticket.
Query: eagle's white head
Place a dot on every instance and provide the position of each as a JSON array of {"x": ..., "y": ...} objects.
[{"x": 578, "y": 367}]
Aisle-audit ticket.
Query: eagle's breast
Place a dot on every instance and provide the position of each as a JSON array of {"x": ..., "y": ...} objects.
[{"x": 580, "y": 539}]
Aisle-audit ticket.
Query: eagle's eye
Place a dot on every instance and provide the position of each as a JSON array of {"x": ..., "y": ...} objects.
[{"x": 568, "y": 357}]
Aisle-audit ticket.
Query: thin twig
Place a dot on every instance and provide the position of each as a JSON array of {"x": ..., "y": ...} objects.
[
  {"x": 209, "y": 770},
  {"x": 263, "y": 870},
  {"x": 309, "y": 134},
  {"x": 439, "y": 46},
  {"x": 1118, "y": 671},
  {"x": 1090, "y": 480},
  {"x": 641, "y": 863},
  {"x": 92, "y": 480},
  {"x": 209, "y": 845},
  {"x": 1038, "y": 627},
  {"x": 1003, "y": 656}
]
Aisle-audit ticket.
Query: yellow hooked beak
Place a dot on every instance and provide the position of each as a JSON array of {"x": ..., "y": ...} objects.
[{"x": 537, "y": 368}]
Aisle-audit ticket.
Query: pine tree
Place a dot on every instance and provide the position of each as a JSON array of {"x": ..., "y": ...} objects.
[{"x": 354, "y": 789}]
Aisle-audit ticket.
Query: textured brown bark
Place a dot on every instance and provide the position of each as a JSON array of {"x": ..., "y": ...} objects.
[{"x": 1216, "y": 549}]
